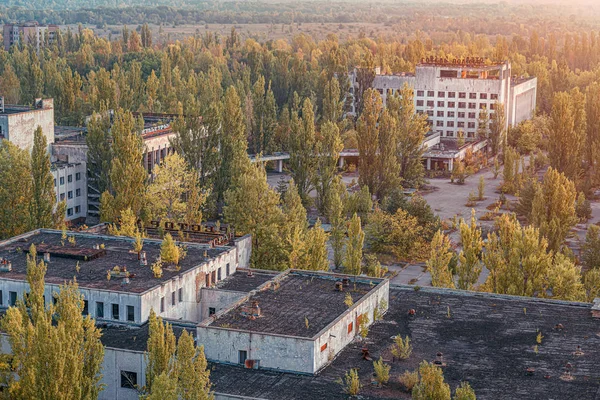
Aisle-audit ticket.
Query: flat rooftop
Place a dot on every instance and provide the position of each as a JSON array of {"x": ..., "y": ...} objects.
[
  {"x": 285, "y": 306},
  {"x": 487, "y": 340},
  {"x": 134, "y": 338},
  {"x": 93, "y": 271},
  {"x": 12, "y": 109},
  {"x": 241, "y": 281}
]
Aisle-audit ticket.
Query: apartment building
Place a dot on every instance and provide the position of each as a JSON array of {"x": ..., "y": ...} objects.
[
  {"x": 29, "y": 33},
  {"x": 453, "y": 94}
]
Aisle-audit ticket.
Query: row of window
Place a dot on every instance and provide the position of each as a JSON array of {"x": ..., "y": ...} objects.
[
  {"x": 452, "y": 104},
  {"x": 70, "y": 194},
  {"x": 70, "y": 211},
  {"x": 69, "y": 178},
  {"x": 461, "y": 95},
  {"x": 173, "y": 302},
  {"x": 130, "y": 316},
  {"x": 459, "y": 124},
  {"x": 453, "y": 133}
]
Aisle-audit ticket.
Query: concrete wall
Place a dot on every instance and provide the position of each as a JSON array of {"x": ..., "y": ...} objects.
[
  {"x": 244, "y": 251},
  {"x": 115, "y": 361},
  {"x": 336, "y": 336},
  {"x": 18, "y": 128},
  {"x": 77, "y": 204},
  {"x": 191, "y": 283},
  {"x": 74, "y": 153},
  {"x": 523, "y": 102},
  {"x": 278, "y": 352},
  {"x": 92, "y": 296},
  {"x": 217, "y": 299},
  {"x": 291, "y": 353}
]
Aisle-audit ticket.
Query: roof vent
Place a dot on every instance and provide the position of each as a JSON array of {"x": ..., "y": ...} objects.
[
  {"x": 339, "y": 286},
  {"x": 252, "y": 311},
  {"x": 5, "y": 265}
]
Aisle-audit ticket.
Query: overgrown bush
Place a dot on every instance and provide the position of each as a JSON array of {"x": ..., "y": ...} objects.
[
  {"x": 352, "y": 383},
  {"x": 382, "y": 371},
  {"x": 409, "y": 379},
  {"x": 402, "y": 348}
]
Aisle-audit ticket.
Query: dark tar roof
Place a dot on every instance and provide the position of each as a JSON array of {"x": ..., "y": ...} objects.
[
  {"x": 12, "y": 109},
  {"x": 487, "y": 340},
  {"x": 298, "y": 297},
  {"x": 240, "y": 281},
  {"x": 93, "y": 273},
  {"x": 134, "y": 338}
]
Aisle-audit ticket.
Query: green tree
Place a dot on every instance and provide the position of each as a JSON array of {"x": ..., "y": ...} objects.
[
  {"x": 337, "y": 219},
  {"x": 431, "y": 384},
  {"x": 565, "y": 280},
  {"x": 592, "y": 140},
  {"x": 172, "y": 184},
  {"x": 233, "y": 148},
  {"x": 465, "y": 392},
  {"x": 333, "y": 106},
  {"x": 160, "y": 350},
  {"x": 44, "y": 197},
  {"x": 252, "y": 206},
  {"x": 591, "y": 247},
  {"x": 469, "y": 266},
  {"x": 354, "y": 247},
  {"x": 16, "y": 191},
  {"x": 517, "y": 258},
  {"x": 553, "y": 208},
  {"x": 566, "y": 140},
  {"x": 388, "y": 168},
  {"x": 412, "y": 128},
  {"x": 314, "y": 257},
  {"x": 398, "y": 234},
  {"x": 368, "y": 139},
  {"x": 100, "y": 151},
  {"x": 128, "y": 174},
  {"x": 439, "y": 260},
  {"x": 56, "y": 351},
  {"x": 164, "y": 387},
  {"x": 328, "y": 149},
  {"x": 193, "y": 381},
  {"x": 483, "y": 125},
  {"x": 303, "y": 150},
  {"x": 497, "y": 128},
  {"x": 174, "y": 370}
]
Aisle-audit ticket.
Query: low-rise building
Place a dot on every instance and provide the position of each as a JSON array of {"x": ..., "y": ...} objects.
[
  {"x": 297, "y": 322},
  {"x": 117, "y": 283},
  {"x": 71, "y": 147}
]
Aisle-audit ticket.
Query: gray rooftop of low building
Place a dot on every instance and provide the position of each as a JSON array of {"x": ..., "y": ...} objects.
[
  {"x": 94, "y": 264},
  {"x": 13, "y": 109},
  {"x": 135, "y": 338},
  {"x": 297, "y": 304},
  {"x": 486, "y": 340},
  {"x": 246, "y": 280}
]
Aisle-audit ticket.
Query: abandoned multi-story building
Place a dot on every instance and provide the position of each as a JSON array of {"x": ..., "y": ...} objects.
[
  {"x": 71, "y": 147},
  {"x": 29, "y": 33},
  {"x": 18, "y": 123},
  {"x": 453, "y": 94}
]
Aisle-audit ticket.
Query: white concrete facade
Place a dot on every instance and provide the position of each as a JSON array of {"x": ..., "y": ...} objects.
[
  {"x": 453, "y": 95},
  {"x": 18, "y": 124},
  {"x": 287, "y": 352},
  {"x": 70, "y": 184}
]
